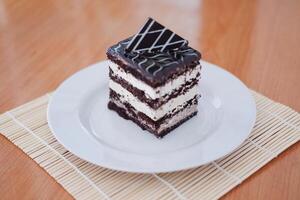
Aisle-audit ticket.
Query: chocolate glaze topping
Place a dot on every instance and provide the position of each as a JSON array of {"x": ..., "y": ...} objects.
[{"x": 155, "y": 67}]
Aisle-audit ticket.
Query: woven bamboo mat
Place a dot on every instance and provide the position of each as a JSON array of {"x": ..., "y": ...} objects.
[{"x": 277, "y": 127}]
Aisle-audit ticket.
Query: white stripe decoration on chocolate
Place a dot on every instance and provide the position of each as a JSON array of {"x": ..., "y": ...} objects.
[
  {"x": 154, "y": 36},
  {"x": 142, "y": 35},
  {"x": 154, "y": 43},
  {"x": 168, "y": 42},
  {"x": 159, "y": 60}
]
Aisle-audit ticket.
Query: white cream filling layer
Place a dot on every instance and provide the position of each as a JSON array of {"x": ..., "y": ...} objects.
[
  {"x": 150, "y": 92},
  {"x": 177, "y": 118},
  {"x": 169, "y": 122},
  {"x": 175, "y": 103}
]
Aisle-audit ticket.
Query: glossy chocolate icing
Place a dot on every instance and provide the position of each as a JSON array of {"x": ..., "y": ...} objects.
[{"x": 156, "y": 67}]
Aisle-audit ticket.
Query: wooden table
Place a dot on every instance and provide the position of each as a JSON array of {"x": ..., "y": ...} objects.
[{"x": 44, "y": 42}]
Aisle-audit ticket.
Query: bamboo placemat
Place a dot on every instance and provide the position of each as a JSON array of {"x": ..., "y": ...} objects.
[{"x": 277, "y": 127}]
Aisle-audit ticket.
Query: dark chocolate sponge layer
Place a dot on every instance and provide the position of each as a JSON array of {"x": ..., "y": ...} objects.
[
  {"x": 122, "y": 112},
  {"x": 114, "y": 96}
]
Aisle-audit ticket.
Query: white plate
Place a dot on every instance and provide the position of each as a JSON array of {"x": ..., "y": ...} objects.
[{"x": 79, "y": 118}]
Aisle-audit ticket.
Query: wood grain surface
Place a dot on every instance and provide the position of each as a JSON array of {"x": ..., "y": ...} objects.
[{"x": 44, "y": 42}]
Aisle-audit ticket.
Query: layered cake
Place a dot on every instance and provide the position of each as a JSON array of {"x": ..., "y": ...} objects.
[{"x": 154, "y": 79}]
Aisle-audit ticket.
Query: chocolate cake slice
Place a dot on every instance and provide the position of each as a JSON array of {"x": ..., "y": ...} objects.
[{"x": 154, "y": 79}]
